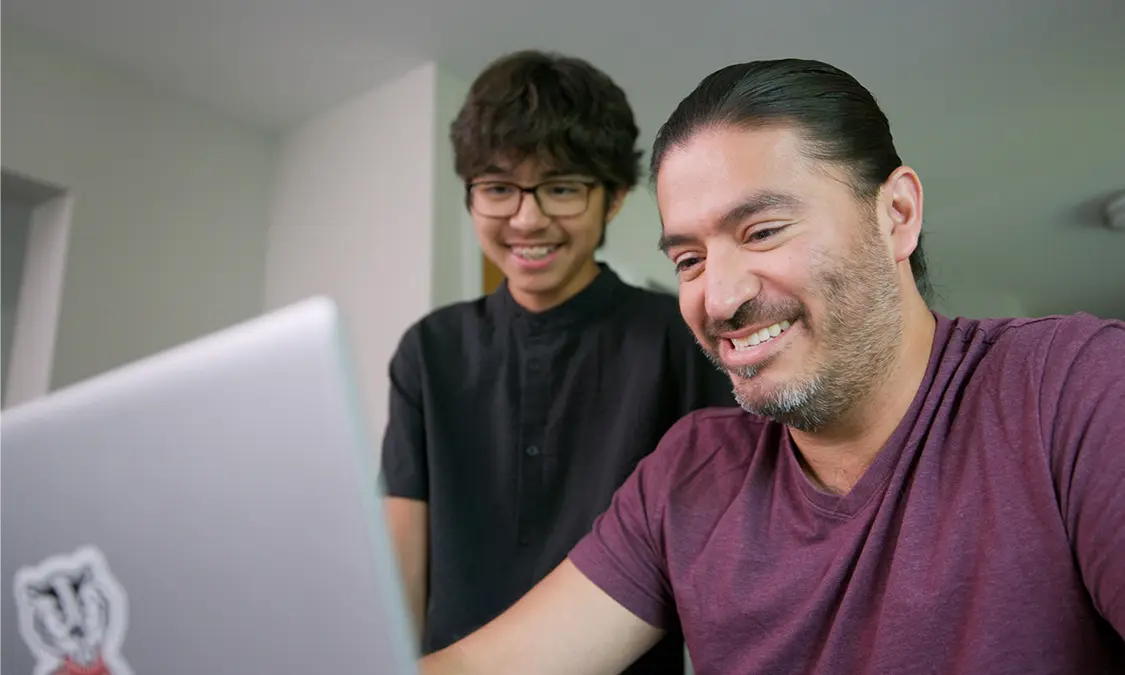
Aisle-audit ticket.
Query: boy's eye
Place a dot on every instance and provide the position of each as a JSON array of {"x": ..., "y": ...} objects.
[{"x": 497, "y": 189}]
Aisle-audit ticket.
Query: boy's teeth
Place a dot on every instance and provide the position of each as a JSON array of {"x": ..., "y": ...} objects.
[
  {"x": 763, "y": 335},
  {"x": 533, "y": 252}
]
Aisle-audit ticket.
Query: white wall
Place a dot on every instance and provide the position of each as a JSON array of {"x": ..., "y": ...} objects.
[
  {"x": 977, "y": 301},
  {"x": 457, "y": 258},
  {"x": 631, "y": 241},
  {"x": 185, "y": 222},
  {"x": 170, "y": 204},
  {"x": 366, "y": 209}
]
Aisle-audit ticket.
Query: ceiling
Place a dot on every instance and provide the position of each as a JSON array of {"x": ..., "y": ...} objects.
[{"x": 1011, "y": 110}]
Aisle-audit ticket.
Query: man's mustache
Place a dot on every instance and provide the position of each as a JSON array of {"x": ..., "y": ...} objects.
[{"x": 753, "y": 312}]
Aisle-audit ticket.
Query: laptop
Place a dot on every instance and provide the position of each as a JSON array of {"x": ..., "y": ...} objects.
[{"x": 211, "y": 509}]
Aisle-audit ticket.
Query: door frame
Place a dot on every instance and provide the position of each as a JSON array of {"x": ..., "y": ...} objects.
[{"x": 36, "y": 322}]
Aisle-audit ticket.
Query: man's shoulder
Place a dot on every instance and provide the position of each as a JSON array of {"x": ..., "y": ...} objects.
[
  {"x": 1068, "y": 327},
  {"x": 1046, "y": 342},
  {"x": 709, "y": 448},
  {"x": 1038, "y": 368}
]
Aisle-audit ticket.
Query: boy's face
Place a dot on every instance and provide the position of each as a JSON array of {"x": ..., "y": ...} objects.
[{"x": 543, "y": 242}]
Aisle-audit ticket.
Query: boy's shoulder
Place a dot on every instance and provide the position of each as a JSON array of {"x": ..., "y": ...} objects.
[
  {"x": 454, "y": 315},
  {"x": 647, "y": 305},
  {"x": 445, "y": 325},
  {"x": 641, "y": 310}
]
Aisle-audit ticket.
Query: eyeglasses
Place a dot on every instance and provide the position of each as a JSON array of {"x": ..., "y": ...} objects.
[{"x": 556, "y": 198}]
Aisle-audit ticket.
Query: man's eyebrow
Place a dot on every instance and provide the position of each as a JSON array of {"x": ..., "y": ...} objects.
[
  {"x": 748, "y": 208},
  {"x": 668, "y": 241},
  {"x": 756, "y": 204}
]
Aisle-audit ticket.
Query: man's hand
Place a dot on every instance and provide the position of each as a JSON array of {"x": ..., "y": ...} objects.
[{"x": 566, "y": 626}]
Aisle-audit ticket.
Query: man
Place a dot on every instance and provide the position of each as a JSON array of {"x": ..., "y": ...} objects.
[
  {"x": 514, "y": 418},
  {"x": 904, "y": 493}
]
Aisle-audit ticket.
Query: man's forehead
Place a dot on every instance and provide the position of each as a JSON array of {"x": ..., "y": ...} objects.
[
  {"x": 718, "y": 170},
  {"x": 730, "y": 153}
]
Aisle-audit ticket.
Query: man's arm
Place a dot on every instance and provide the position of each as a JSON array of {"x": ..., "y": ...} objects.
[
  {"x": 409, "y": 525},
  {"x": 405, "y": 473},
  {"x": 565, "y": 626}
]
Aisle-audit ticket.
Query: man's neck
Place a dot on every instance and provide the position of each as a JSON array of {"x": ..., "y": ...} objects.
[
  {"x": 541, "y": 302},
  {"x": 836, "y": 457}
]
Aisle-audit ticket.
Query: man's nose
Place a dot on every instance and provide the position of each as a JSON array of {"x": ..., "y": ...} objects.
[
  {"x": 730, "y": 284},
  {"x": 529, "y": 216}
]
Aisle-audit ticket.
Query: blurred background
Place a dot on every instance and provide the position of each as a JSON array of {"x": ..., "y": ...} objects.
[{"x": 171, "y": 168}]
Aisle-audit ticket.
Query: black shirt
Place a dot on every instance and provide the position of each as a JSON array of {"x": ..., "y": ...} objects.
[{"x": 517, "y": 427}]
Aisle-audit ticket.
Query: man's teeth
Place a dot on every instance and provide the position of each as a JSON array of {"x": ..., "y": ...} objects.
[
  {"x": 533, "y": 252},
  {"x": 764, "y": 335}
]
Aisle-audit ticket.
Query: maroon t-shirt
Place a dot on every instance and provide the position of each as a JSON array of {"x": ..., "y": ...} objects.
[{"x": 987, "y": 537}]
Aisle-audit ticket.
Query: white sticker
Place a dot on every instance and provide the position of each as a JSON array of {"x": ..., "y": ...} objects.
[{"x": 73, "y": 615}]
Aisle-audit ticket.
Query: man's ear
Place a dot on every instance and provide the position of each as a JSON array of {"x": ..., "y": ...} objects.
[
  {"x": 900, "y": 211},
  {"x": 616, "y": 201}
]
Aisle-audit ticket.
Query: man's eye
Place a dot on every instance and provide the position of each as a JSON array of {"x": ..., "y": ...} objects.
[
  {"x": 685, "y": 264},
  {"x": 764, "y": 234}
]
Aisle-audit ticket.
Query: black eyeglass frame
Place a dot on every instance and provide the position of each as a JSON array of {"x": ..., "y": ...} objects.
[{"x": 533, "y": 190}]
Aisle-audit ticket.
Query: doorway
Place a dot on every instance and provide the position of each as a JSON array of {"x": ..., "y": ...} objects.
[
  {"x": 36, "y": 235},
  {"x": 491, "y": 276}
]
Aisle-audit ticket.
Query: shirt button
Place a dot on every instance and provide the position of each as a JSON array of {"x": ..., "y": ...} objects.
[{"x": 532, "y": 450}]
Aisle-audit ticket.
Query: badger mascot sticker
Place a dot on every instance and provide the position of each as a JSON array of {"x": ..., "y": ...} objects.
[{"x": 73, "y": 615}]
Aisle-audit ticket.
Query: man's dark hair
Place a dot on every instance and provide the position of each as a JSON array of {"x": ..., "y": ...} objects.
[
  {"x": 558, "y": 109},
  {"x": 841, "y": 121}
]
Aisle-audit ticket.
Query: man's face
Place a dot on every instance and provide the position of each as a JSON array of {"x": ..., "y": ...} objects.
[
  {"x": 546, "y": 252},
  {"x": 786, "y": 278}
]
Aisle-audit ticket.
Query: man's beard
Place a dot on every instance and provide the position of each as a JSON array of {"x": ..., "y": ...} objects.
[{"x": 858, "y": 335}]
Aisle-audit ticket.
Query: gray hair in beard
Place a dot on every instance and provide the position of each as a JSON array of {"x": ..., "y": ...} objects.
[{"x": 859, "y": 330}]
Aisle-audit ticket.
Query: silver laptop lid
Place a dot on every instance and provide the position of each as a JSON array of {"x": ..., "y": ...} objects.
[{"x": 211, "y": 509}]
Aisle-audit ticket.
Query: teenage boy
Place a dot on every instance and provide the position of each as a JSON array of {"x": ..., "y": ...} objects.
[{"x": 515, "y": 417}]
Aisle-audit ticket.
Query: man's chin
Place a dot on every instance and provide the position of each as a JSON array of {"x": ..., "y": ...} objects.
[
  {"x": 747, "y": 373},
  {"x": 755, "y": 401},
  {"x": 760, "y": 390}
]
